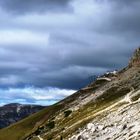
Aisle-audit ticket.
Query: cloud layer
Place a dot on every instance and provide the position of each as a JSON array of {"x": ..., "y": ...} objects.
[
  {"x": 32, "y": 95},
  {"x": 23, "y": 7},
  {"x": 59, "y": 44}
]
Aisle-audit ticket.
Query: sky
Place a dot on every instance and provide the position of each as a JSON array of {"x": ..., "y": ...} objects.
[{"x": 50, "y": 48}]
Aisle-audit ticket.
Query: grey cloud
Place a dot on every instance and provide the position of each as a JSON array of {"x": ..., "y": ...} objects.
[
  {"x": 25, "y": 6},
  {"x": 81, "y": 43}
]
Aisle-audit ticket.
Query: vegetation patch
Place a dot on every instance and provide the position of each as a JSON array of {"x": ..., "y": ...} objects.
[
  {"x": 67, "y": 113},
  {"x": 113, "y": 93},
  {"x": 50, "y": 125}
]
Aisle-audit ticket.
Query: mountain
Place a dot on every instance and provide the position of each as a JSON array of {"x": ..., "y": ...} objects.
[
  {"x": 14, "y": 112},
  {"x": 107, "y": 109}
]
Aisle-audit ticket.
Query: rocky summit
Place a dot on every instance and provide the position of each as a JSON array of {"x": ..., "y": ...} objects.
[
  {"x": 106, "y": 109},
  {"x": 135, "y": 60}
]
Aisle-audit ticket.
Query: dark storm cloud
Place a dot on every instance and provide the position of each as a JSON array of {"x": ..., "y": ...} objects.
[
  {"x": 63, "y": 49},
  {"x": 126, "y": 17},
  {"x": 25, "y": 6}
]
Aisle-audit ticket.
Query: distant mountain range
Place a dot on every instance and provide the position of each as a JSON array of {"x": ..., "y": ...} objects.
[{"x": 14, "y": 112}]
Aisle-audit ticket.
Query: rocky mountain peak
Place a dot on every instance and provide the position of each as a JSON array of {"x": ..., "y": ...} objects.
[{"x": 135, "y": 60}]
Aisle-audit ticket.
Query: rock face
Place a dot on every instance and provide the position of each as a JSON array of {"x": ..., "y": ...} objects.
[
  {"x": 12, "y": 113},
  {"x": 135, "y": 60}
]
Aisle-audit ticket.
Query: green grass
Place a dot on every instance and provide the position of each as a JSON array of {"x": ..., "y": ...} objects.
[{"x": 20, "y": 130}]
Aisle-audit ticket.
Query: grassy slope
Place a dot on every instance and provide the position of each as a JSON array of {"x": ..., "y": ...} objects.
[
  {"x": 85, "y": 114},
  {"x": 64, "y": 126},
  {"x": 23, "y": 128}
]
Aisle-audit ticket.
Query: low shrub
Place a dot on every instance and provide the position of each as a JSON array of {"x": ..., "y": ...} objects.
[{"x": 67, "y": 113}]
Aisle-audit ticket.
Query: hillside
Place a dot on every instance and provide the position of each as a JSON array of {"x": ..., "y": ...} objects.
[
  {"x": 14, "y": 112},
  {"x": 107, "y": 109}
]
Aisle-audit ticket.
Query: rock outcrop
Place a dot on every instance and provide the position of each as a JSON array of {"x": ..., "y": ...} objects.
[{"x": 135, "y": 60}]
